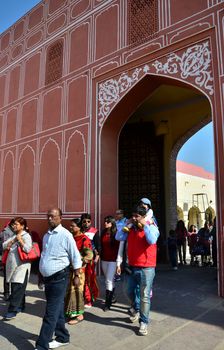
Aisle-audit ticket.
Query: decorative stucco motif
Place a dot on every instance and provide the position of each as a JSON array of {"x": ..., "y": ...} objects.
[
  {"x": 111, "y": 91},
  {"x": 192, "y": 64}
]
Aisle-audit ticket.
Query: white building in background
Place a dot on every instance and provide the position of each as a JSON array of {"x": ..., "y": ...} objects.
[{"x": 195, "y": 188}]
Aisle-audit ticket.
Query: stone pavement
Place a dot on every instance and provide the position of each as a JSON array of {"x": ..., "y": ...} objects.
[{"x": 186, "y": 314}]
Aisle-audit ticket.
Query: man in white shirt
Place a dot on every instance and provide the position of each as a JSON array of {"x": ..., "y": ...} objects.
[{"x": 59, "y": 252}]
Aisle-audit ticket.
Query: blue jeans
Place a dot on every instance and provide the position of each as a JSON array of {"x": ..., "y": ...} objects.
[
  {"x": 54, "y": 319},
  {"x": 141, "y": 279}
]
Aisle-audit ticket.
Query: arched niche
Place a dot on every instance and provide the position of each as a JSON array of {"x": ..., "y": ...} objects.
[
  {"x": 25, "y": 180},
  {"x": 75, "y": 173},
  {"x": 8, "y": 176},
  {"x": 49, "y": 176}
]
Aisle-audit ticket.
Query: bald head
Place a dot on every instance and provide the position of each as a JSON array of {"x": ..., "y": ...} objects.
[{"x": 54, "y": 217}]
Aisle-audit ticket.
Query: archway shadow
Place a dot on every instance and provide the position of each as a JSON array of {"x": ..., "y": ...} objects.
[
  {"x": 17, "y": 336},
  {"x": 188, "y": 293}
]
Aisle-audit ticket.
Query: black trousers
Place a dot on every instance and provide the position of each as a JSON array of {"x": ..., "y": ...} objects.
[
  {"x": 6, "y": 285},
  {"x": 17, "y": 297}
]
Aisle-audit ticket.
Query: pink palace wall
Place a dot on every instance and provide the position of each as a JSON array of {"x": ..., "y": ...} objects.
[
  {"x": 45, "y": 130},
  {"x": 49, "y": 133}
]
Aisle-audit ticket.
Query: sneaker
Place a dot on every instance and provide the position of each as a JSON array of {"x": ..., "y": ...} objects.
[
  {"x": 88, "y": 305},
  {"x": 20, "y": 309},
  {"x": 175, "y": 268},
  {"x": 56, "y": 344},
  {"x": 10, "y": 315},
  {"x": 143, "y": 330},
  {"x": 134, "y": 317},
  {"x": 131, "y": 311}
]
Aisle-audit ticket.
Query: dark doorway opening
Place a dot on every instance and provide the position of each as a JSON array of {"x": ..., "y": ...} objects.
[{"x": 141, "y": 171}]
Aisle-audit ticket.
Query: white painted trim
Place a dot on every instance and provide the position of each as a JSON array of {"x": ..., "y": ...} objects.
[
  {"x": 50, "y": 140},
  {"x": 54, "y": 87},
  {"x": 60, "y": 33},
  {"x": 118, "y": 31},
  {"x": 85, "y": 164},
  {"x": 54, "y": 19}
]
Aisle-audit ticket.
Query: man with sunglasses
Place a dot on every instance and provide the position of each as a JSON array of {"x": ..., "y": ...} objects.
[
  {"x": 91, "y": 290},
  {"x": 141, "y": 251}
]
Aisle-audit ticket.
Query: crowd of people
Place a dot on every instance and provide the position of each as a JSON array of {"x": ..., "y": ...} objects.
[
  {"x": 70, "y": 258},
  {"x": 68, "y": 263},
  {"x": 202, "y": 244}
]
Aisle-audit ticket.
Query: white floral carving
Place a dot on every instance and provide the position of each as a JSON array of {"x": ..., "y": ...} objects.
[
  {"x": 111, "y": 90},
  {"x": 194, "y": 63},
  {"x": 146, "y": 69}
]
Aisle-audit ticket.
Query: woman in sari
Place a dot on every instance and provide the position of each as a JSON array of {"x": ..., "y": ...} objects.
[
  {"x": 74, "y": 301},
  {"x": 91, "y": 290}
]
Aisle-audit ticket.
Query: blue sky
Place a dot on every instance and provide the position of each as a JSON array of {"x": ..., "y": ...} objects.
[
  {"x": 199, "y": 150},
  {"x": 12, "y": 10}
]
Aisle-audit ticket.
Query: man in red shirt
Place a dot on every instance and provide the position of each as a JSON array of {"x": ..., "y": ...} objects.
[{"x": 141, "y": 251}]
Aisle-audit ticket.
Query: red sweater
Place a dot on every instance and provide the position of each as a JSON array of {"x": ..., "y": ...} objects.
[
  {"x": 140, "y": 252},
  {"x": 108, "y": 250}
]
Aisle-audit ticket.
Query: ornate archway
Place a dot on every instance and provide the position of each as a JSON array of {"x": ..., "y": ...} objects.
[
  {"x": 121, "y": 94},
  {"x": 193, "y": 66}
]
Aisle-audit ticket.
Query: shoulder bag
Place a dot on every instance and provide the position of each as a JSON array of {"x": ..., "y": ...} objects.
[{"x": 33, "y": 254}]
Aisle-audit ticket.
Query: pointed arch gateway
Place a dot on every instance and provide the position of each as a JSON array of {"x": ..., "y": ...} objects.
[
  {"x": 146, "y": 90},
  {"x": 137, "y": 141},
  {"x": 175, "y": 95}
]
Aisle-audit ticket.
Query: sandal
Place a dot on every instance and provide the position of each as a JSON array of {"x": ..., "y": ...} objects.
[{"x": 75, "y": 320}]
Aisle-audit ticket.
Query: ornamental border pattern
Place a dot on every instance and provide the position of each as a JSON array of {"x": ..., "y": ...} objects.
[{"x": 193, "y": 65}]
